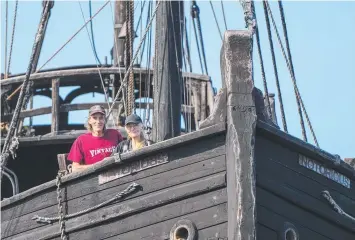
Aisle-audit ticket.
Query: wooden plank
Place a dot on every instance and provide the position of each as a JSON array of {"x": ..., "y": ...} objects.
[
  {"x": 267, "y": 149},
  {"x": 273, "y": 170},
  {"x": 62, "y": 161},
  {"x": 286, "y": 140},
  {"x": 149, "y": 184},
  {"x": 302, "y": 208},
  {"x": 265, "y": 233},
  {"x": 138, "y": 212},
  {"x": 236, "y": 64},
  {"x": 276, "y": 222},
  {"x": 216, "y": 232},
  {"x": 203, "y": 108},
  {"x": 67, "y": 74},
  {"x": 202, "y": 138},
  {"x": 55, "y": 106},
  {"x": 324, "y": 170},
  {"x": 133, "y": 167},
  {"x": 202, "y": 219}
]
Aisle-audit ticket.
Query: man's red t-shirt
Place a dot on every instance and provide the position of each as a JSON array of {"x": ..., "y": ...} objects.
[{"x": 89, "y": 149}]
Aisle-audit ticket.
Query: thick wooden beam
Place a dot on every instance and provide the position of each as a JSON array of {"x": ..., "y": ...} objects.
[
  {"x": 203, "y": 108},
  {"x": 273, "y": 117},
  {"x": 55, "y": 105},
  {"x": 67, "y": 74},
  {"x": 167, "y": 71},
  {"x": 236, "y": 65}
]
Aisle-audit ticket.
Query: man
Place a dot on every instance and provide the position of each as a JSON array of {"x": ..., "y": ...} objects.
[{"x": 95, "y": 145}]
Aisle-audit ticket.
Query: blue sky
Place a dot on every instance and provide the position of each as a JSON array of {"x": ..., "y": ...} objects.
[{"x": 321, "y": 40}]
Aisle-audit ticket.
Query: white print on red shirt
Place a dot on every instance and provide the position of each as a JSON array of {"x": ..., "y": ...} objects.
[{"x": 102, "y": 150}]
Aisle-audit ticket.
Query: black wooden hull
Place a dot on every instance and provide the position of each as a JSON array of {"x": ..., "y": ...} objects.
[{"x": 191, "y": 185}]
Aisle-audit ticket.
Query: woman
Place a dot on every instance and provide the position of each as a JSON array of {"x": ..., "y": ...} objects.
[
  {"x": 135, "y": 139},
  {"x": 95, "y": 145}
]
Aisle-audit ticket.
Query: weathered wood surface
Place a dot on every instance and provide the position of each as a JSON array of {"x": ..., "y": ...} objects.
[
  {"x": 290, "y": 192},
  {"x": 208, "y": 145},
  {"x": 236, "y": 64},
  {"x": 271, "y": 226},
  {"x": 150, "y": 184},
  {"x": 67, "y": 74},
  {"x": 196, "y": 138},
  {"x": 138, "y": 211},
  {"x": 167, "y": 71},
  {"x": 297, "y": 144},
  {"x": 119, "y": 44},
  {"x": 55, "y": 106},
  {"x": 299, "y": 215},
  {"x": 203, "y": 159},
  {"x": 268, "y": 168},
  {"x": 218, "y": 112}
]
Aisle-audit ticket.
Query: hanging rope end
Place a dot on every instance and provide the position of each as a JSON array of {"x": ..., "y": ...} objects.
[{"x": 39, "y": 219}]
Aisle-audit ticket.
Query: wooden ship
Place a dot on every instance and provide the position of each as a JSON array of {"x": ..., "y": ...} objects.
[{"x": 234, "y": 175}]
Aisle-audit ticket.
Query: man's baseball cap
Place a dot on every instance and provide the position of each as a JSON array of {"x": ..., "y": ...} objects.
[
  {"x": 97, "y": 109},
  {"x": 133, "y": 119}
]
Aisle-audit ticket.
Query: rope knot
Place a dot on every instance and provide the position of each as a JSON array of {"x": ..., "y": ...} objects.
[{"x": 41, "y": 219}]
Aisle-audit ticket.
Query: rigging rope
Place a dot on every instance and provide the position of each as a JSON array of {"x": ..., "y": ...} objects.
[
  {"x": 95, "y": 56},
  {"x": 118, "y": 60},
  {"x": 134, "y": 58},
  {"x": 187, "y": 47},
  {"x": 224, "y": 15},
  {"x": 76, "y": 33},
  {"x": 92, "y": 34},
  {"x": 130, "y": 36},
  {"x": 199, "y": 27},
  {"x": 195, "y": 12},
  {"x": 275, "y": 66},
  {"x": 16, "y": 115},
  {"x": 146, "y": 113},
  {"x": 71, "y": 38},
  {"x": 198, "y": 48},
  {"x": 262, "y": 66},
  {"x": 12, "y": 39},
  {"x": 298, "y": 95},
  {"x": 215, "y": 18},
  {"x": 6, "y": 30}
]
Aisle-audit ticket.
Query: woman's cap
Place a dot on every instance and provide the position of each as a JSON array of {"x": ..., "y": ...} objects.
[
  {"x": 133, "y": 119},
  {"x": 97, "y": 109}
]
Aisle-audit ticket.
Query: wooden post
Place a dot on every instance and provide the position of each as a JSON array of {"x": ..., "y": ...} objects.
[
  {"x": 119, "y": 43},
  {"x": 167, "y": 75},
  {"x": 236, "y": 65},
  {"x": 273, "y": 117},
  {"x": 203, "y": 108},
  {"x": 55, "y": 106}
]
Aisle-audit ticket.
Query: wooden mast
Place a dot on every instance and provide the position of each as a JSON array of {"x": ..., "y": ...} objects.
[
  {"x": 119, "y": 42},
  {"x": 167, "y": 71}
]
